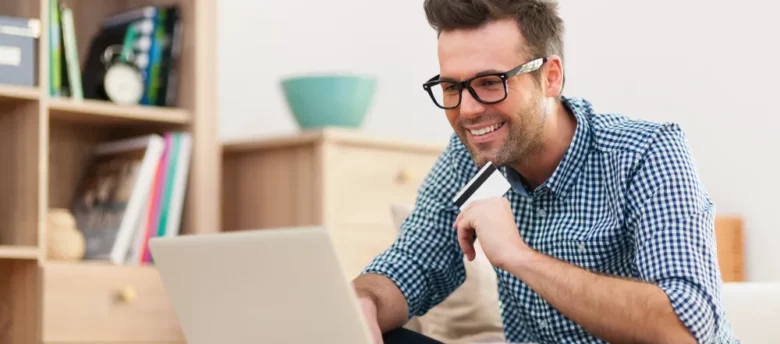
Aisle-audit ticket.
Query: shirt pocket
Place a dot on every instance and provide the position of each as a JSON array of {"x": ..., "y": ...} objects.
[
  {"x": 602, "y": 247},
  {"x": 608, "y": 256}
]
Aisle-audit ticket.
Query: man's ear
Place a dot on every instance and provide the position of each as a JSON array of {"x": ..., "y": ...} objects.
[{"x": 554, "y": 77}]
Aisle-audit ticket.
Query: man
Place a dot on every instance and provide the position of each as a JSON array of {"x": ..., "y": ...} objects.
[{"x": 607, "y": 232}]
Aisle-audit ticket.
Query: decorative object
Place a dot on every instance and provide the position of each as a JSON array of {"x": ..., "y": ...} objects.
[
  {"x": 64, "y": 240},
  {"x": 318, "y": 101},
  {"x": 123, "y": 81}
]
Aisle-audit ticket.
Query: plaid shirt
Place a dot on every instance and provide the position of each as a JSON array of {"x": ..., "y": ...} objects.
[{"x": 624, "y": 201}]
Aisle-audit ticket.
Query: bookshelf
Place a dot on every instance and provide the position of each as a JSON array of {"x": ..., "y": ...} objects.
[
  {"x": 45, "y": 143},
  {"x": 9, "y": 93},
  {"x": 100, "y": 112},
  {"x": 19, "y": 252}
]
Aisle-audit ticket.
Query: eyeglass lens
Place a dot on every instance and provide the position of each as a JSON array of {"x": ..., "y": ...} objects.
[{"x": 489, "y": 88}]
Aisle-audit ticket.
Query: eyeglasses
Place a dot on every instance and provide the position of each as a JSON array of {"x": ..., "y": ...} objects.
[{"x": 488, "y": 88}]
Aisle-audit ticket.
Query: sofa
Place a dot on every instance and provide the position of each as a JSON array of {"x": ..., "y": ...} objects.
[{"x": 471, "y": 313}]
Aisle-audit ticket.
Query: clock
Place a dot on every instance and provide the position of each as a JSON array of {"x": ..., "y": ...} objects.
[{"x": 124, "y": 83}]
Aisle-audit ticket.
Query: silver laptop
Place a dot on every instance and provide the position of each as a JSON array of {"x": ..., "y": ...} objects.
[{"x": 267, "y": 286}]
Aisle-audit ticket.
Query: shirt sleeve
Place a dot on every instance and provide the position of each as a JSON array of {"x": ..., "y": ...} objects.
[
  {"x": 425, "y": 261},
  {"x": 672, "y": 219}
]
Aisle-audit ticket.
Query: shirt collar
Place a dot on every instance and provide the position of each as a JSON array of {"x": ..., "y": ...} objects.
[{"x": 560, "y": 182}]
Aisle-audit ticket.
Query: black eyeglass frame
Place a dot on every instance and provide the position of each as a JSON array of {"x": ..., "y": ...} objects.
[{"x": 527, "y": 67}]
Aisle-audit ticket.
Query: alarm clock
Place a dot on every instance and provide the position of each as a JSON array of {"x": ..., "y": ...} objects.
[{"x": 123, "y": 81}]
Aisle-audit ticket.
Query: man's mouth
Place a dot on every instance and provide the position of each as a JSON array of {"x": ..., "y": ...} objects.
[{"x": 486, "y": 130}]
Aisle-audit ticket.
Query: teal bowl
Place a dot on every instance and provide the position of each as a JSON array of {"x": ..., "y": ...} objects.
[{"x": 319, "y": 101}]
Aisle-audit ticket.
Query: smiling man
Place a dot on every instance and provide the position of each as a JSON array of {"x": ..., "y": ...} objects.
[{"x": 607, "y": 232}]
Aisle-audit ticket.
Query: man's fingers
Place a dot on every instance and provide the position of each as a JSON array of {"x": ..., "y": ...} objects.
[
  {"x": 466, "y": 239},
  {"x": 462, "y": 212}
]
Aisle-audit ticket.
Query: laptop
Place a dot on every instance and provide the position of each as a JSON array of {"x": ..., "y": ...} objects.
[{"x": 283, "y": 285}]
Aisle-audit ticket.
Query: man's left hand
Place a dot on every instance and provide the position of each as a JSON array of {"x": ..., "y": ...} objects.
[{"x": 493, "y": 222}]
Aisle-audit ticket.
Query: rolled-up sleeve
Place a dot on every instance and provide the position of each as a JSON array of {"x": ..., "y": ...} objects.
[
  {"x": 425, "y": 261},
  {"x": 672, "y": 218}
]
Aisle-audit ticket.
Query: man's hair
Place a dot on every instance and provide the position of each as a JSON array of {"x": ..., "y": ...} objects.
[{"x": 538, "y": 20}]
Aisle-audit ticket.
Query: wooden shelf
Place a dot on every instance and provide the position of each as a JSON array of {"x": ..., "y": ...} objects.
[
  {"x": 47, "y": 143},
  {"x": 11, "y": 92},
  {"x": 18, "y": 252},
  {"x": 101, "y": 112},
  {"x": 332, "y": 134}
]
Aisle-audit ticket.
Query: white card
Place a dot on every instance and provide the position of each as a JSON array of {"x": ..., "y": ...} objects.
[{"x": 489, "y": 182}]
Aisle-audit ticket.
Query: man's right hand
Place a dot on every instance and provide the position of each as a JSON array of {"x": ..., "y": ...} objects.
[{"x": 370, "y": 314}]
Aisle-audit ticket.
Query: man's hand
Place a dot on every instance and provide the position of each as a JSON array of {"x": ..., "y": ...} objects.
[
  {"x": 369, "y": 313},
  {"x": 382, "y": 303},
  {"x": 493, "y": 222}
]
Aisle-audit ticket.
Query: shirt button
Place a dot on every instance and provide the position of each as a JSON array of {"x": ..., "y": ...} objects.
[
  {"x": 542, "y": 324},
  {"x": 582, "y": 247},
  {"x": 541, "y": 212}
]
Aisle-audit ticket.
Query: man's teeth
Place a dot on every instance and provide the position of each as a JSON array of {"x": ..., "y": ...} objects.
[{"x": 483, "y": 131}]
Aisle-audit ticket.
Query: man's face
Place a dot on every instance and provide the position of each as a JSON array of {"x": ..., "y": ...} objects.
[{"x": 517, "y": 121}]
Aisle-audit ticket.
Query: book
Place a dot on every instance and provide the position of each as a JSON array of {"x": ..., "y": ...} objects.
[
  {"x": 156, "y": 46},
  {"x": 111, "y": 196},
  {"x": 156, "y": 196},
  {"x": 163, "y": 205},
  {"x": 55, "y": 49},
  {"x": 72, "y": 76},
  {"x": 136, "y": 253},
  {"x": 172, "y": 220},
  {"x": 112, "y": 32}
]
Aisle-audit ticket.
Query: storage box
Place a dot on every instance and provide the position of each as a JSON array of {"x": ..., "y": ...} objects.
[{"x": 19, "y": 50}]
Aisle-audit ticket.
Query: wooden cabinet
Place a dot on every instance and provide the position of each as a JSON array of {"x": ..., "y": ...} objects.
[
  {"x": 729, "y": 236},
  {"x": 98, "y": 303},
  {"x": 342, "y": 179}
]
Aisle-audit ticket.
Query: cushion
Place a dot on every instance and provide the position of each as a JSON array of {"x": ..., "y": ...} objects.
[
  {"x": 752, "y": 309},
  {"x": 471, "y": 313}
]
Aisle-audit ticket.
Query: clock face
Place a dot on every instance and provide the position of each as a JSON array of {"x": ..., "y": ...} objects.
[{"x": 124, "y": 84}]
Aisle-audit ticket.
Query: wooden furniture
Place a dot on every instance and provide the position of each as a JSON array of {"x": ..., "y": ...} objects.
[
  {"x": 44, "y": 144},
  {"x": 729, "y": 232},
  {"x": 341, "y": 179}
]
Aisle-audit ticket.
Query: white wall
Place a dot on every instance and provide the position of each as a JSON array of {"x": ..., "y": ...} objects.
[
  {"x": 334, "y": 36},
  {"x": 711, "y": 66}
]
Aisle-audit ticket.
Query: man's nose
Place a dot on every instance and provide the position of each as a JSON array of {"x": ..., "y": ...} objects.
[{"x": 470, "y": 107}]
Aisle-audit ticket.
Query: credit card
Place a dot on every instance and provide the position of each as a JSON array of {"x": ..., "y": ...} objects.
[{"x": 487, "y": 183}]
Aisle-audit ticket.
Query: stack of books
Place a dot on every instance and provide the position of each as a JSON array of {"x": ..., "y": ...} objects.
[
  {"x": 132, "y": 190},
  {"x": 150, "y": 35}
]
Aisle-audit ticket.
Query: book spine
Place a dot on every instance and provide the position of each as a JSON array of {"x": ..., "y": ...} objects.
[
  {"x": 169, "y": 179},
  {"x": 71, "y": 55},
  {"x": 171, "y": 88},
  {"x": 179, "y": 188},
  {"x": 134, "y": 208},
  {"x": 55, "y": 53},
  {"x": 155, "y": 58},
  {"x": 145, "y": 100},
  {"x": 157, "y": 195}
]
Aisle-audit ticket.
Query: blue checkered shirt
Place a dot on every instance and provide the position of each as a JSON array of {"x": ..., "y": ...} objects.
[{"x": 624, "y": 201}]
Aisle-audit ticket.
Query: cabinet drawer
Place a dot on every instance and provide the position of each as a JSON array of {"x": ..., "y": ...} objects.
[
  {"x": 93, "y": 302},
  {"x": 369, "y": 181}
]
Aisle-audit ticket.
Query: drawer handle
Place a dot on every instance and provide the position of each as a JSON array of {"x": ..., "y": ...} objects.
[
  {"x": 126, "y": 295},
  {"x": 405, "y": 176}
]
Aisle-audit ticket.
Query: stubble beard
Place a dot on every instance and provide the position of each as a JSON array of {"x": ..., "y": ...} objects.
[{"x": 520, "y": 142}]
